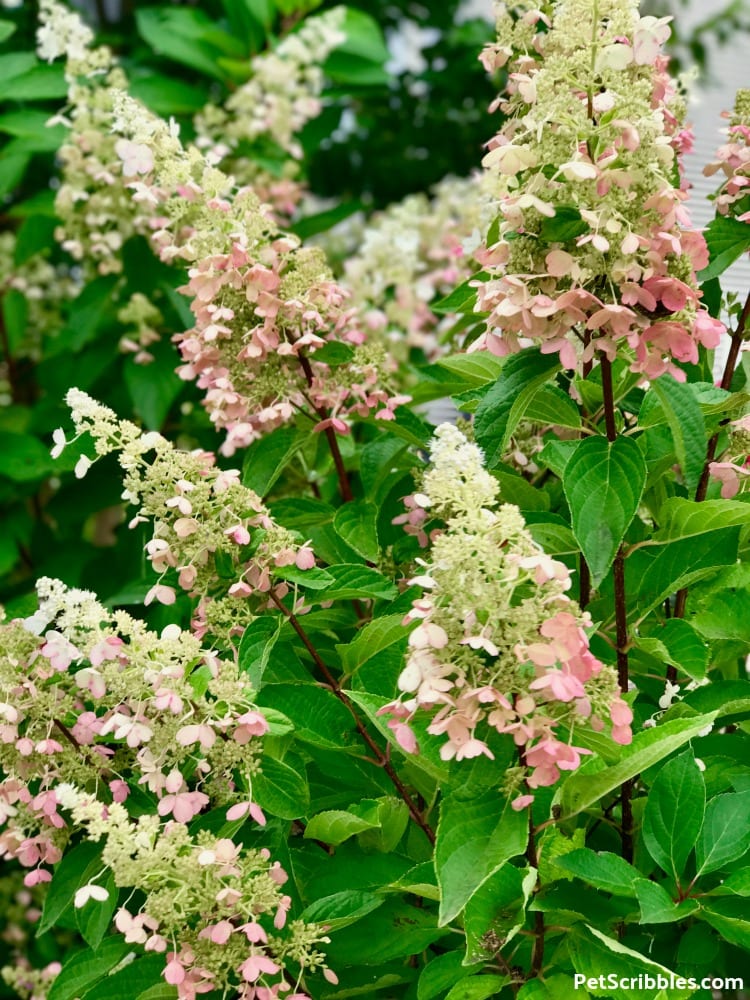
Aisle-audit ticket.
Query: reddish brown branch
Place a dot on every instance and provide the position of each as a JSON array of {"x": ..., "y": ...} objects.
[
  {"x": 333, "y": 445},
  {"x": 381, "y": 757}
]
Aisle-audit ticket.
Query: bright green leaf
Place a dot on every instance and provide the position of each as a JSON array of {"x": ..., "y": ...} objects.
[
  {"x": 603, "y": 870},
  {"x": 603, "y": 482},
  {"x": 674, "y": 813},
  {"x": 356, "y": 523},
  {"x": 584, "y": 787},
  {"x": 281, "y": 790},
  {"x": 86, "y": 968},
  {"x": 726, "y": 832},
  {"x": 687, "y": 425},
  {"x": 475, "y": 837},
  {"x": 507, "y": 401}
]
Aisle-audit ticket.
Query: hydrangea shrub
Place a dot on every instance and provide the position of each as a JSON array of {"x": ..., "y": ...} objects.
[{"x": 370, "y": 703}]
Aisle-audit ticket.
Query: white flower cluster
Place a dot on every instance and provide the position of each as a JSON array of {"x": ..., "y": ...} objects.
[
  {"x": 279, "y": 98},
  {"x": 61, "y": 33}
]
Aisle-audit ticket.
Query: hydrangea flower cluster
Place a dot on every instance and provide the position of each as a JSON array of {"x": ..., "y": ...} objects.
[
  {"x": 281, "y": 96},
  {"x": 92, "y": 202},
  {"x": 201, "y": 515},
  {"x": 733, "y": 162},
  {"x": 413, "y": 253},
  {"x": 100, "y": 708},
  {"x": 499, "y": 645},
  {"x": 733, "y": 471},
  {"x": 594, "y": 252},
  {"x": 262, "y": 302}
]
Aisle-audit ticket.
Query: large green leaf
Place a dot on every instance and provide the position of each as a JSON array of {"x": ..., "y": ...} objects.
[
  {"x": 187, "y": 36},
  {"x": 440, "y": 974},
  {"x": 681, "y": 518},
  {"x": 74, "y": 870},
  {"x": 354, "y": 582},
  {"x": 727, "y": 240},
  {"x": 153, "y": 388},
  {"x": 23, "y": 458},
  {"x": 687, "y": 425},
  {"x": 281, "y": 790},
  {"x": 334, "y": 826},
  {"x": 356, "y": 523},
  {"x": 726, "y": 832},
  {"x": 93, "y": 919},
  {"x": 663, "y": 569},
  {"x": 85, "y": 968},
  {"x": 475, "y": 837},
  {"x": 585, "y": 787},
  {"x": 676, "y": 641},
  {"x": 130, "y": 981},
  {"x": 674, "y": 813},
  {"x": 658, "y": 907},
  {"x": 342, "y": 908},
  {"x": 498, "y": 906},
  {"x": 266, "y": 459},
  {"x": 730, "y": 918},
  {"x": 372, "y": 638},
  {"x": 603, "y": 870},
  {"x": 319, "y": 717},
  {"x": 598, "y": 957},
  {"x": 500, "y": 411},
  {"x": 395, "y": 930},
  {"x": 256, "y": 645},
  {"x": 603, "y": 482}
]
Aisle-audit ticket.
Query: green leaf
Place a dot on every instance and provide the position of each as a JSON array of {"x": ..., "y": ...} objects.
[
  {"x": 674, "y": 813},
  {"x": 372, "y": 638},
  {"x": 676, "y": 641},
  {"x": 182, "y": 34},
  {"x": 501, "y": 410},
  {"x": 477, "y": 987},
  {"x": 160, "y": 991},
  {"x": 359, "y": 60},
  {"x": 727, "y": 240},
  {"x": 391, "y": 817},
  {"x": 256, "y": 645},
  {"x": 603, "y": 482},
  {"x": 498, "y": 906},
  {"x": 354, "y": 582},
  {"x": 342, "y": 908},
  {"x": 12, "y": 168},
  {"x": 334, "y": 826},
  {"x": 730, "y": 918},
  {"x": 564, "y": 225},
  {"x": 603, "y": 870},
  {"x": 476, "y": 369},
  {"x": 596, "y": 956},
  {"x": 74, "y": 870},
  {"x": 440, "y": 974},
  {"x": 726, "y": 832},
  {"x": 460, "y": 300},
  {"x": 681, "y": 518},
  {"x": 664, "y": 569},
  {"x": 687, "y": 425},
  {"x": 94, "y": 918},
  {"x": 583, "y": 788},
  {"x": 154, "y": 387},
  {"x": 658, "y": 907},
  {"x": 395, "y": 930},
  {"x": 552, "y": 405},
  {"x": 266, "y": 459},
  {"x": 310, "y": 579},
  {"x": 6, "y": 29},
  {"x": 86, "y": 968},
  {"x": 475, "y": 837},
  {"x": 319, "y": 717},
  {"x": 39, "y": 83},
  {"x": 356, "y": 523},
  {"x": 166, "y": 95},
  {"x": 130, "y": 981},
  {"x": 281, "y": 790}
]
